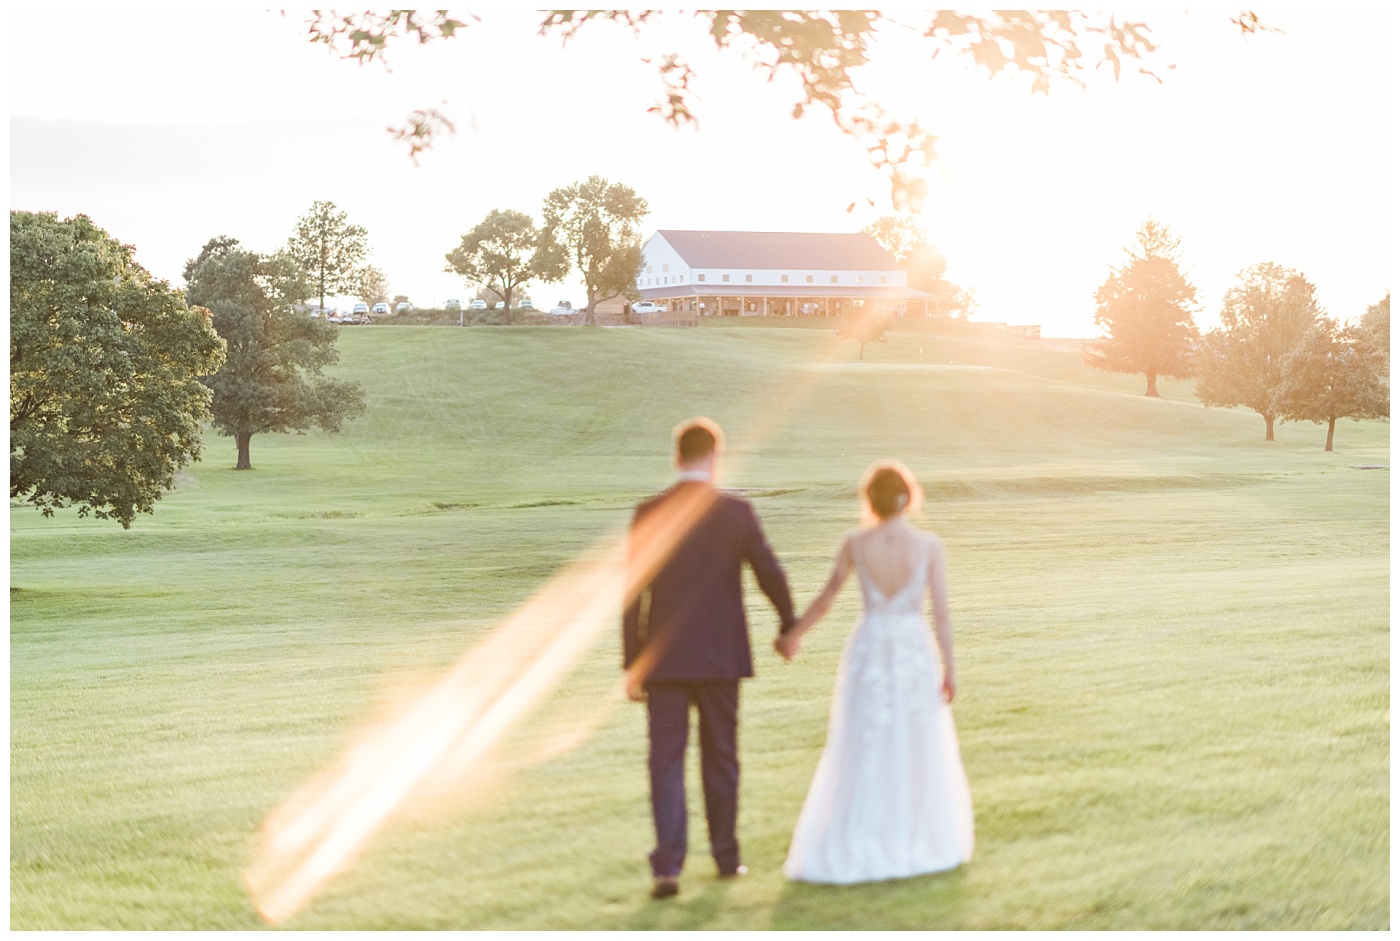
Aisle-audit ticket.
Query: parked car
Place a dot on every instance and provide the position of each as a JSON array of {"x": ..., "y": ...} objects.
[
  {"x": 500, "y": 305},
  {"x": 562, "y": 308},
  {"x": 452, "y": 303},
  {"x": 478, "y": 304},
  {"x": 403, "y": 307},
  {"x": 381, "y": 308},
  {"x": 647, "y": 307},
  {"x": 360, "y": 309},
  {"x": 527, "y": 304},
  {"x": 331, "y": 314}
]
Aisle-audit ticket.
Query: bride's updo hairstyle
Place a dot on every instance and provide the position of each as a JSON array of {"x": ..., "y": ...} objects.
[{"x": 888, "y": 489}]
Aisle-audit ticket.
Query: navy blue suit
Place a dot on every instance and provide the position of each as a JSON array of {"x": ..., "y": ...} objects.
[{"x": 687, "y": 635}]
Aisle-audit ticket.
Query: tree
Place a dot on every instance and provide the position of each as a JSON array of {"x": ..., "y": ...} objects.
[
  {"x": 1372, "y": 337},
  {"x": 271, "y": 380},
  {"x": 330, "y": 249},
  {"x": 371, "y": 286},
  {"x": 595, "y": 224},
  {"x": 924, "y": 265},
  {"x": 505, "y": 252},
  {"x": 1327, "y": 377},
  {"x": 105, "y": 398},
  {"x": 899, "y": 235},
  {"x": 1145, "y": 311},
  {"x": 820, "y": 49},
  {"x": 865, "y": 327},
  {"x": 1262, "y": 318}
]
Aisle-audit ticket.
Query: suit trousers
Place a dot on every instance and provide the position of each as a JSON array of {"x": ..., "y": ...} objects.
[{"x": 668, "y": 728}]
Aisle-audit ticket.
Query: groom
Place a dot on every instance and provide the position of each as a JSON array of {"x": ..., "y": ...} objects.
[{"x": 685, "y": 641}]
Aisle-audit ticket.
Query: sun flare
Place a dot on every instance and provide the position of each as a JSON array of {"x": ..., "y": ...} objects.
[{"x": 440, "y": 740}]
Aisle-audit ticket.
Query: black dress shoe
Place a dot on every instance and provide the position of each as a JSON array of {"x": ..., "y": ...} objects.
[
  {"x": 663, "y": 887},
  {"x": 734, "y": 873}
]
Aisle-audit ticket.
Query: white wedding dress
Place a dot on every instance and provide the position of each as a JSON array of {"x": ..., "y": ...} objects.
[{"x": 890, "y": 797}]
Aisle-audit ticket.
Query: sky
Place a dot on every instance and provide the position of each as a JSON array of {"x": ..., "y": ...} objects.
[{"x": 170, "y": 127}]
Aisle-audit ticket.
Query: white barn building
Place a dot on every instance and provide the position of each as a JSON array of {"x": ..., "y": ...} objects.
[{"x": 694, "y": 273}]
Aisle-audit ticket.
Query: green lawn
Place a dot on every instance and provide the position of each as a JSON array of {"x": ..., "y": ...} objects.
[{"x": 1173, "y": 642}]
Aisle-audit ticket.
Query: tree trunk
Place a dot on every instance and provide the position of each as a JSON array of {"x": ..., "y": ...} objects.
[
  {"x": 862, "y": 350},
  {"x": 1152, "y": 385},
  {"x": 1331, "y": 427},
  {"x": 242, "y": 438},
  {"x": 589, "y": 318},
  {"x": 1268, "y": 426},
  {"x": 505, "y": 296}
]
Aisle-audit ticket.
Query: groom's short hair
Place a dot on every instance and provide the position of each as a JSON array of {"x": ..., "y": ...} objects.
[{"x": 695, "y": 438}]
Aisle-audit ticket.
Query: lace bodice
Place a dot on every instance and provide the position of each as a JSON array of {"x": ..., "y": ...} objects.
[
  {"x": 889, "y": 798},
  {"x": 908, "y": 600}
]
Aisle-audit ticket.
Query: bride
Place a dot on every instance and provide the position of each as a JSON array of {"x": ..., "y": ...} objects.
[{"x": 889, "y": 798}]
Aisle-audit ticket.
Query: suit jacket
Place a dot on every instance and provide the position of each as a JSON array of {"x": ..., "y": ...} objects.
[{"x": 687, "y": 619}]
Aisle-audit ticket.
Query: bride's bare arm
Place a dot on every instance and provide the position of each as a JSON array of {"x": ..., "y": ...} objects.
[
  {"x": 788, "y": 642},
  {"x": 942, "y": 619}
]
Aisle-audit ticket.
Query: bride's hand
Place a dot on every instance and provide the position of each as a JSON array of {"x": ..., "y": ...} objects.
[
  {"x": 786, "y": 645},
  {"x": 950, "y": 687}
]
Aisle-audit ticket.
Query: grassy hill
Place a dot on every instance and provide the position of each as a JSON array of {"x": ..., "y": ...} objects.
[{"x": 1173, "y": 641}]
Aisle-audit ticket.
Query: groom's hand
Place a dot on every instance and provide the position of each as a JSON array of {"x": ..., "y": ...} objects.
[
  {"x": 786, "y": 645},
  {"x": 635, "y": 691}
]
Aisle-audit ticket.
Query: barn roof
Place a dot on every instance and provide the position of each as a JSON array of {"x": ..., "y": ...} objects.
[{"x": 823, "y": 251}]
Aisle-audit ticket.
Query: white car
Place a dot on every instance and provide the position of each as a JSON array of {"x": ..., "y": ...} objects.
[
  {"x": 381, "y": 308},
  {"x": 500, "y": 305},
  {"x": 452, "y": 304},
  {"x": 403, "y": 307},
  {"x": 527, "y": 304},
  {"x": 478, "y": 304},
  {"x": 647, "y": 307},
  {"x": 360, "y": 309},
  {"x": 563, "y": 308}
]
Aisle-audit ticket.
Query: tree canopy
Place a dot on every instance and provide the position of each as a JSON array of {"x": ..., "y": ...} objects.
[
  {"x": 1372, "y": 337},
  {"x": 1262, "y": 318},
  {"x": 1327, "y": 377},
  {"x": 1145, "y": 311},
  {"x": 505, "y": 252},
  {"x": 371, "y": 285},
  {"x": 596, "y": 224},
  {"x": 329, "y": 249},
  {"x": 924, "y": 265},
  {"x": 899, "y": 235},
  {"x": 271, "y": 380},
  {"x": 105, "y": 399},
  {"x": 822, "y": 49},
  {"x": 865, "y": 327}
]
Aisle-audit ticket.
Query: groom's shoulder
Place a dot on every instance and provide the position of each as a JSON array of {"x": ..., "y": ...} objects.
[{"x": 738, "y": 510}]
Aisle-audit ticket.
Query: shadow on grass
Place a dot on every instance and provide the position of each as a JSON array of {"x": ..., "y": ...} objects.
[
  {"x": 932, "y": 902},
  {"x": 690, "y": 910}
]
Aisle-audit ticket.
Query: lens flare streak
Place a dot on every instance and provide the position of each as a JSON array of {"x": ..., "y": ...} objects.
[
  {"x": 322, "y": 828},
  {"x": 447, "y": 730},
  {"x": 444, "y": 733}
]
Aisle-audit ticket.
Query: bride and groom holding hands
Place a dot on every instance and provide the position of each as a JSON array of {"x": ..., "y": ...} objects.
[{"x": 889, "y": 798}]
